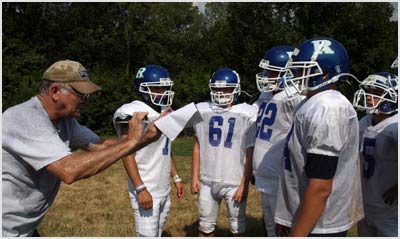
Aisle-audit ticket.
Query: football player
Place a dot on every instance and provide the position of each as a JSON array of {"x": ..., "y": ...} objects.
[
  {"x": 222, "y": 153},
  {"x": 149, "y": 168},
  {"x": 378, "y": 96},
  {"x": 320, "y": 190},
  {"x": 274, "y": 120}
]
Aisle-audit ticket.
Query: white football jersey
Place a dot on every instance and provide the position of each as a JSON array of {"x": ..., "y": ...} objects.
[
  {"x": 273, "y": 123},
  {"x": 263, "y": 97},
  {"x": 325, "y": 124},
  {"x": 223, "y": 138},
  {"x": 154, "y": 160},
  {"x": 379, "y": 162}
]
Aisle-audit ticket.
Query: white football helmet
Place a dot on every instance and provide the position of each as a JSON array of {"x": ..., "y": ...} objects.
[{"x": 378, "y": 93}]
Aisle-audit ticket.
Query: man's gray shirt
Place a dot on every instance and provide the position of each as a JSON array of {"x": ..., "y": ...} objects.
[{"x": 30, "y": 142}]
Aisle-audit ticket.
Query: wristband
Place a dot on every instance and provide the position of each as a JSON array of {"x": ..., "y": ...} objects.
[
  {"x": 140, "y": 188},
  {"x": 177, "y": 179}
]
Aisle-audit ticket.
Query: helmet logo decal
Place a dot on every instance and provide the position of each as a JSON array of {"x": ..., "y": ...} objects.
[
  {"x": 322, "y": 47},
  {"x": 140, "y": 72}
]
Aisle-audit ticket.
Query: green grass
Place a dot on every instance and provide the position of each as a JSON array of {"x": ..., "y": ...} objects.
[{"x": 100, "y": 206}]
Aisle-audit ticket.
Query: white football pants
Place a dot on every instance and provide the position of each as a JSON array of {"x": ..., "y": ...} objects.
[
  {"x": 149, "y": 223},
  {"x": 210, "y": 197}
]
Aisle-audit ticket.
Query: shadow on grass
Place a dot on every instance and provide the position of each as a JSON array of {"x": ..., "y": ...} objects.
[{"x": 254, "y": 228}]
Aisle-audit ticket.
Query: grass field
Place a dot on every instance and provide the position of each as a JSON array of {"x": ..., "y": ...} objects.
[{"x": 100, "y": 206}]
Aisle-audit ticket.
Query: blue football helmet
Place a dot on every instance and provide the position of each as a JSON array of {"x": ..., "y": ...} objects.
[
  {"x": 148, "y": 81},
  {"x": 274, "y": 67},
  {"x": 378, "y": 93},
  {"x": 316, "y": 64},
  {"x": 220, "y": 81}
]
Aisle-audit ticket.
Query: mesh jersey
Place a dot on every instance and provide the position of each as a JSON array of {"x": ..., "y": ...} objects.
[
  {"x": 223, "y": 139},
  {"x": 325, "y": 124},
  {"x": 273, "y": 123},
  {"x": 154, "y": 160},
  {"x": 379, "y": 158}
]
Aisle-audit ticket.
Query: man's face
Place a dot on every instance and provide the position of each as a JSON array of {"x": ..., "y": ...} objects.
[
  {"x": 71, "y": 101},
  {"x": 272, "y": 74},
  {"x": 373, "y": 101}
]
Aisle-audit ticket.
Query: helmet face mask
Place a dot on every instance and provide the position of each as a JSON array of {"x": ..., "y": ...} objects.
[
  {"x": 274, "y": 68},
  {"x": 224, "y": 87},
  {"x": 378, "y": 94},
  {"x": 155, "y": 85}
]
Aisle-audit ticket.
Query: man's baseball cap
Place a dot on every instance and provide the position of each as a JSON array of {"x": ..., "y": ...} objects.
[{"x": 73, "y": 73}]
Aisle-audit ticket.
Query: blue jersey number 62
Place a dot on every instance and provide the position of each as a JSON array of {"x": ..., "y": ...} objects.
[{"x": 264, "y": 131}]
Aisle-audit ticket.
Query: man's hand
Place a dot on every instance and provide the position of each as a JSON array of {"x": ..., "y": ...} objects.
[
  {"x": 135, "y": 130},
  {"x": 241, "y": 193},
  {"x": 180, "y": 190},
  {"x": 195, "y": 185},
  {"x": 390, "y": 196},
  {"x": 145, "y": 199}
]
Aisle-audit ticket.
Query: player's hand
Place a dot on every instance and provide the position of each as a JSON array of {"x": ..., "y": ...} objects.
[
  {"x": 145, "y": 199},
  {"x": 135, "y": 130},
  {"x": 281, "y": 230},
  {"x": 390, "y": 196},
  {"x": 165, "y": 112},
  {"x": 240, "y": 194},
  {"x": 195, "y": 186},
  {"x": 180, "y": 190}
]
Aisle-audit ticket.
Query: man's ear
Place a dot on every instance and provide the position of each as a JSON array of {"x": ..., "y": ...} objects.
[{"x": 54, "y": 92}]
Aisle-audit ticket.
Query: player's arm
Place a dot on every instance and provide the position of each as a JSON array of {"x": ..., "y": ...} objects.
[
  {"x": 195, "y": 167},
  {"x": 242, "y": 191},
  {"x": 180, "y": 187},
  {"x": 144, "y": 197},
  {"x": 320, "y": 170}
]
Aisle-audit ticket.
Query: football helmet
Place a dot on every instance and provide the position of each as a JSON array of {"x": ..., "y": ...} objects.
[
  {"x": 154, "y": 84},
  {"x": 273, "y": 65},
  {"x": 378, "y": 93},
  {"x": 224, "y": 87},
  {"x": 316, "y": 64}
]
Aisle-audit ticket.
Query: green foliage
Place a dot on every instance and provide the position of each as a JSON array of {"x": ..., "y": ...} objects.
[{"x": 113, "y": 40}]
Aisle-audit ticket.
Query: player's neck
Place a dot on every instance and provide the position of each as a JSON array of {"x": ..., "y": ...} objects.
[{"x": 377, "y": 118}]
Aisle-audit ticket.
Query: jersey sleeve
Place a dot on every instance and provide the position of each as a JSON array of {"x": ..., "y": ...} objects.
[{"x": 326, "y": 132}]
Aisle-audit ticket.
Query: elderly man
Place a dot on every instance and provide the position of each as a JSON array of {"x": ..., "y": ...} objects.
[{"x": 39, "y": 136}]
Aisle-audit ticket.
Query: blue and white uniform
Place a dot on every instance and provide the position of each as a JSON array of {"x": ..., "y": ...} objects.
[{"x": 223, "y": 139}]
